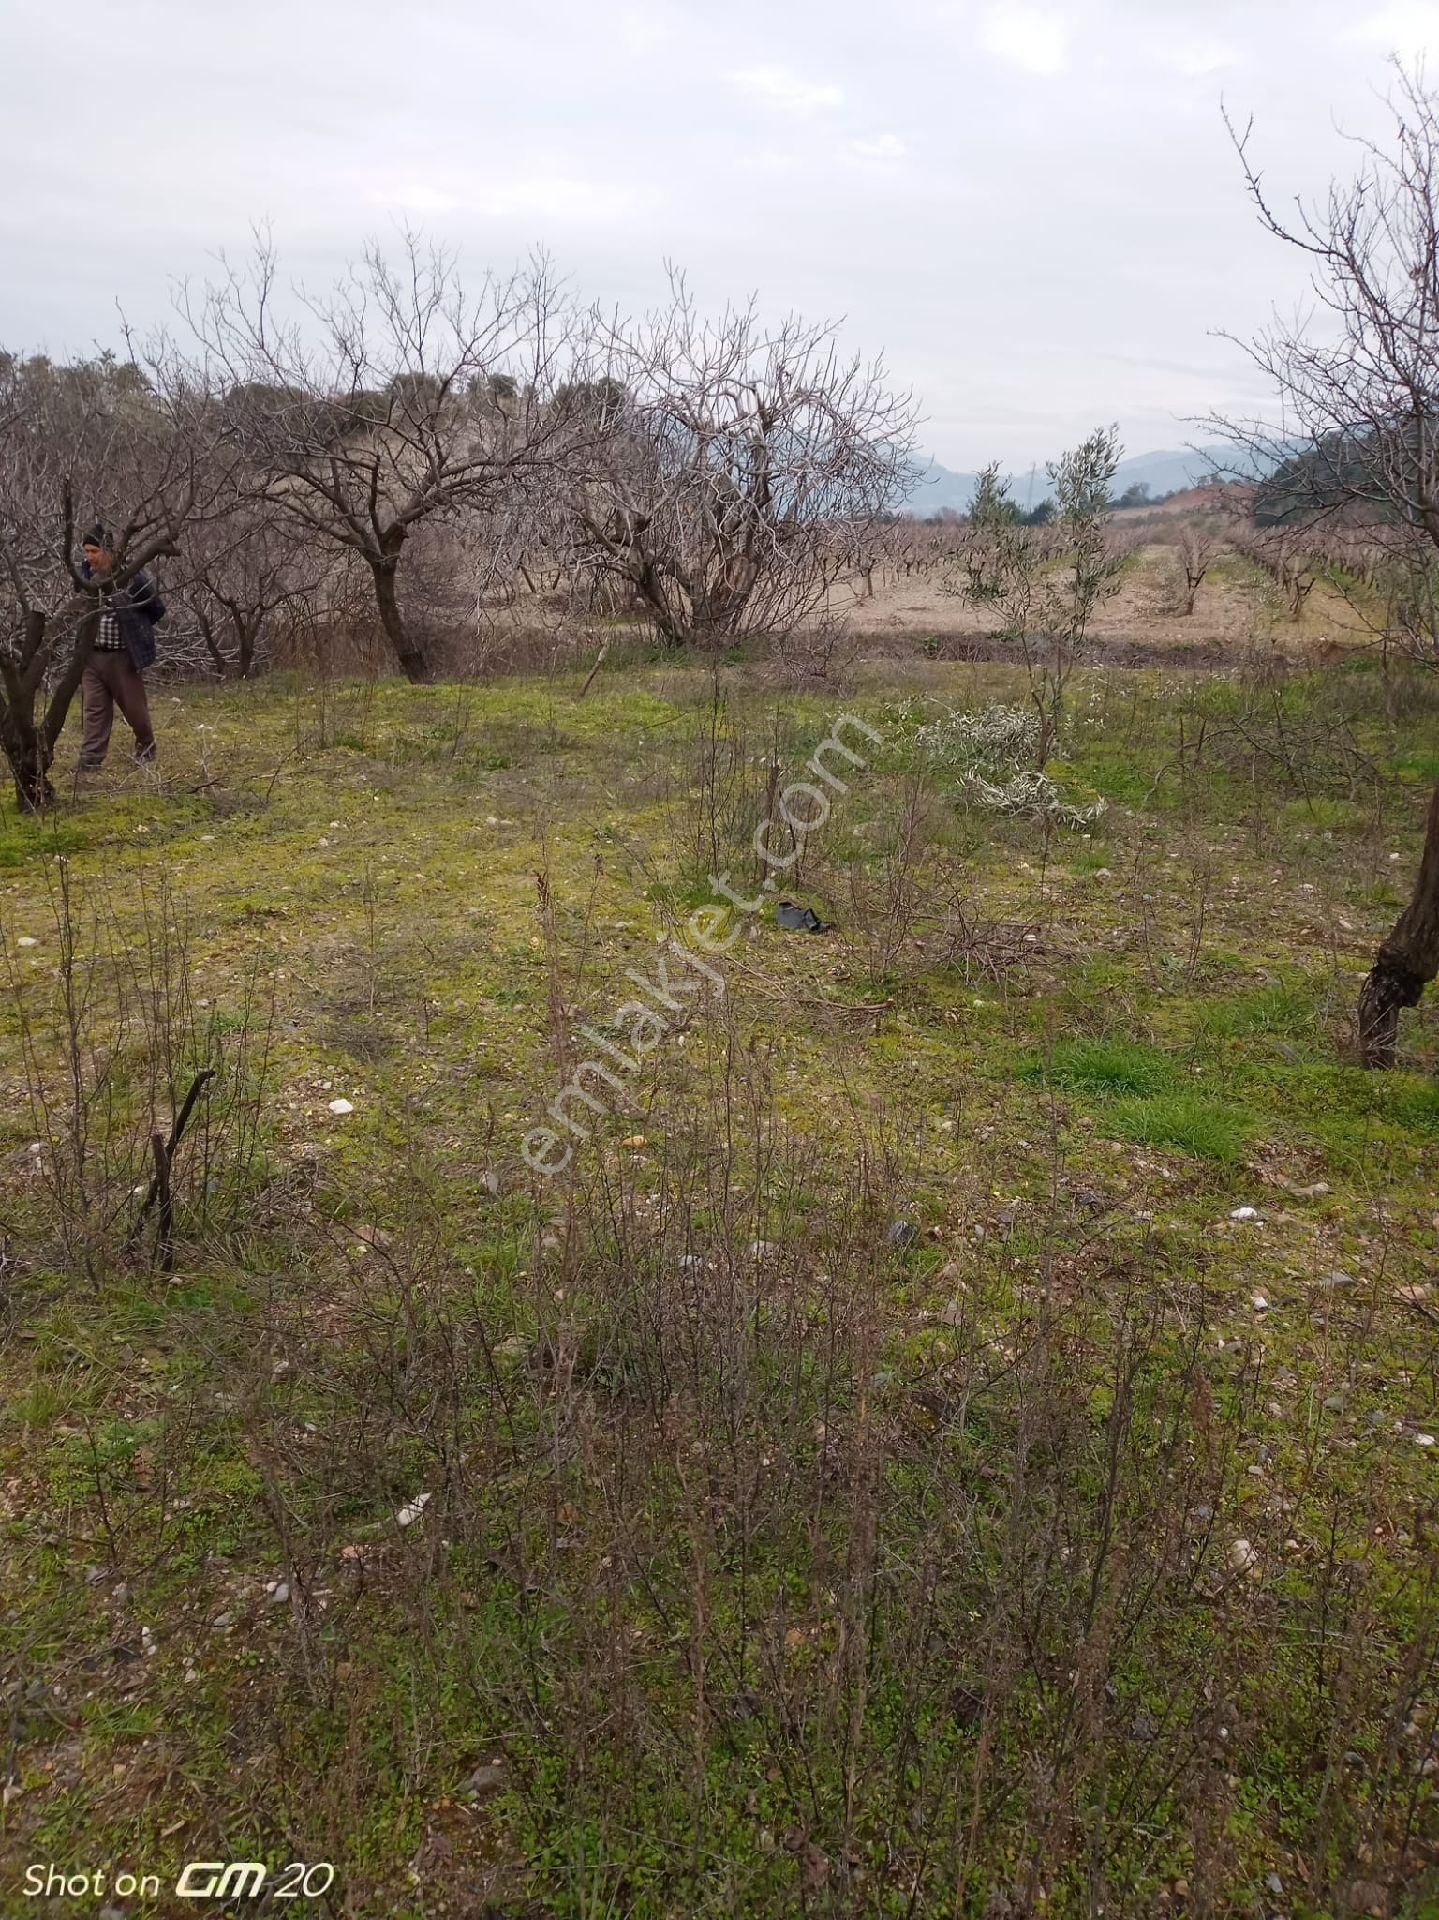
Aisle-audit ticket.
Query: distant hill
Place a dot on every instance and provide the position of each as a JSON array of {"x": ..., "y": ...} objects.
[{"x": 942, "y": 487}]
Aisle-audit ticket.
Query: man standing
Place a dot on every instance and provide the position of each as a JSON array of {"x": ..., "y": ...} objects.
[{"x": 124, "y": 647}]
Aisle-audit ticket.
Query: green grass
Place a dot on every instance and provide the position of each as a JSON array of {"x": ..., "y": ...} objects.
[
  {"x": 1421, "y": 766},
  {"x": 1195, "y": 1126},
  {"x": 1281, "y": 1009},
  {"x": 1102, "y": 1068},
  {"x": 787, "y": 1581},
  {"x": 1337, "y": 816}
]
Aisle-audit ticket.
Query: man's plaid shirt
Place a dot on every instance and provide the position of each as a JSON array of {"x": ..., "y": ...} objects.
[{"x": 109, "y": 638}]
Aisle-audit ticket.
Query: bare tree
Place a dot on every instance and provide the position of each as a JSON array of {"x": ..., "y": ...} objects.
[
  {"x": 396, "y": 399},
  {"x": 1361, "y": 421},
  {"x": 109, "y": 442},
  {"x": 1407, "y": 589},
  {"x": 1197, "y": 544},
  {"x": 1287, "y": 554},
  {"x": 726, "y": 452},
  {"x": 245, "y": 573}
]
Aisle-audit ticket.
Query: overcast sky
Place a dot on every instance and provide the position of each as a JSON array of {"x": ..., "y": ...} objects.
[{"x": 1031, "y": 210}]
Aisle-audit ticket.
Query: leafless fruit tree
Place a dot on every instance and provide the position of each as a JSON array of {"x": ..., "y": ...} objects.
[
  {"x": 99, "y": 441},
  {"x": 1197, "y": 543},
  {"x": 1288, "y": 554},
  {"x": 245, "y": 573},
  {"x": 397, "y": 398},
  {"x": 1360, "y": 400},
  {"x": 727, "y": 453}
]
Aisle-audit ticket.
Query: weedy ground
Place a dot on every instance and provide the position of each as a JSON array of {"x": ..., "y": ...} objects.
[{"x": 955, "y": 1440}]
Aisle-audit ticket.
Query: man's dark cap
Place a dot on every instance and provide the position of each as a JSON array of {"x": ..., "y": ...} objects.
[{"x": 98, "y": 536}]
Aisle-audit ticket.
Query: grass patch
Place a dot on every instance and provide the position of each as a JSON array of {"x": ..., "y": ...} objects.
[
  {"x": 789, "y": 1454},
  {"x": 1421, "y": 766},
  {"x": 1335, "y": 816},
  {"x": 1088, "y": 860},
  {"x": 1204, "y": 1128},
  {"x": 1284, "y": 1009},
  {"x": 1104, "y": 1068}
]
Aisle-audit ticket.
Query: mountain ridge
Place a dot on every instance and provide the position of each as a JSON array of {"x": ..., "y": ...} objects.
[{"x": 942, "y": 488}]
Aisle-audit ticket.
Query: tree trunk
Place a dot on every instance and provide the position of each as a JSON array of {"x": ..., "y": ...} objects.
[
  {"x": 29, "y": 764},
  {"x": 249, "y": 629},
  {"x": 212, "y": 645},
  {"x": 1407, "y": 961},
  {"x": 408, "y": 651},
  {"x": 649, "y": 584},
  {"x": 28, "y": 748}
]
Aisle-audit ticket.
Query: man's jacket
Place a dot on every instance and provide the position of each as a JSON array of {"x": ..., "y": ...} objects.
[{"x": 137, "y": 607}]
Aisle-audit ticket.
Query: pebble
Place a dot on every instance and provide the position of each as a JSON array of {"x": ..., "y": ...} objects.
[
  {"x": 1244, "y": 1213},
  {"x": 1242, "y": 1556},
  {"x": 408, "y": 1515},
  {"x": 342, "y": 1106}
]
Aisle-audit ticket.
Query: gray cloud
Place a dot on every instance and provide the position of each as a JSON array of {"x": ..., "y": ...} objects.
[{"x": 1031, "y": 209}]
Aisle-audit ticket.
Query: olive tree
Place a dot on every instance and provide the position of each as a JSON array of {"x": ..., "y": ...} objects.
[{"x": 1045, "y": 583}]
